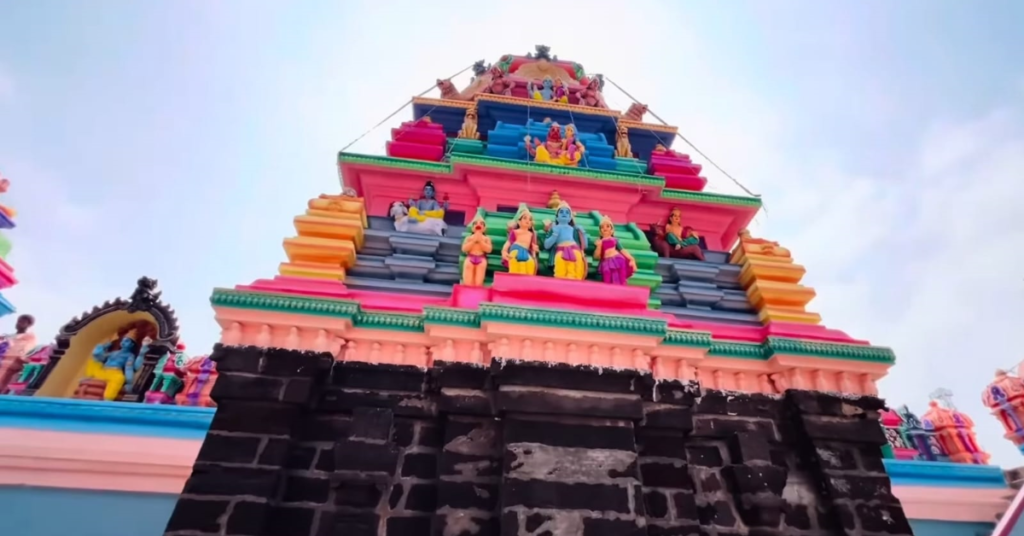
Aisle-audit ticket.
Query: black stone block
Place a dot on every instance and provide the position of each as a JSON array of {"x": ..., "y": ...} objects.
[
  {"x": 666, "y": 475},
  {"x": 756, "y": 479},
  {"x": 237, "y": 358},
  {"x": 405, "y": 404},
  {"x": 299, "y": 391},
  {"x": 612, "y": 527},
  {"x": 300, "y": 457},
  {"x": 534, "y": 521},
  {"x": 661, "y": 443},
  {"x": 674, "y": 392},
  {"x": 325, "y": 460},
  {"x": 836, "y": 457},
  {"x": 460, "y": 375},
  {"x": 871, "y": 458},
  {"x": 365, "y": 457},
  {"x": 718, "y": 513},
  {"x": 353, "y": 524},
  {"x": 705, "y": 455},
  {"x": 403, "y": 432},
  {"x": 665, "y": 416},
  {"x": 306, "y": 489},
  {"x": 323, "y": 427},
  {"x": 760, "y": 511},
  {"x": 685, "y": 504},
  {"x": 818, "y": 403},
  {"x": 674, "y": 530},
  {"x": 358, "y": 494},
  {"x": 579, "y": 403},
  {"x": 462, "y": 402},
  {"x": 887, "y": 519},
  {"x": 197, "y": 515},
  {"x": 563, "y": 376},
  {"x": 452, "y": 464},
  {"x": 210, "y": 479},
  {"x": 509, "y": 523},
  {"x": 421, "y": 498},
  {"x": 371, "y": 424},
  {"x": 725, "y": 427},
  {"x": 656, "y": 504},
  {"x": 558, "y": 434},
  {"x": 396, "y": 496},
  {"x": 237, "y": 386},
  {"x": 379, "y": 377},
  {"x": 248, "y": 518},
  {"x": 715, "y": 402},
  {"x": 747, "y": 448},
  {"x": 267, "y": 418},
  {"x": 465, "y": 524},
  {"x": 274, "y": 452},
  {"x": 409, "y": 526},
  {"x": 429, "y": 435},
  {"x": 420, "y": 465},
  {"x": 229, "y": 449},
  {"x": 296, "y": 363},
  {"x": 711, "y": 483},
  {"x": 839, "y": 516},
  {"x": 797, "y": 516},
  {"x": 865, "y": 488},
  {"x": 556, "y": 495},
  {"x": 467, "y": 495},
  {"x": 290, "y": 521},
  {"x": 861, "y": 431}
]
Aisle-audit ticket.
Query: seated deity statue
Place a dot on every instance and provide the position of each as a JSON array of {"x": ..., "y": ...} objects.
[
  {"x": 556, "y": 150},
  {"x": 114, "y": 363},
  {"x": 674, "y": 240}
]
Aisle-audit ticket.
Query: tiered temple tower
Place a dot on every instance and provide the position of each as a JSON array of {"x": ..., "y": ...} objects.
[
  {"x": 530, "y": 319},
  {"x": 7, "y": 279}
]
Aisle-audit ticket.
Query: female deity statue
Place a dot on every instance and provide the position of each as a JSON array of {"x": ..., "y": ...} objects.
[
  {"x": 556, "y": 150},
  {"x": 572, "y": 149},
  {"x": 520, "y": 250},
  {"x": 560, "y": 93},
  {"x": 615, "y": 263},
  {"x": 476, "y": 247},
  {"x": 566, "y": 243},
  {"x": 426, "y": 206},
  {"x": 679, "y": 242}
]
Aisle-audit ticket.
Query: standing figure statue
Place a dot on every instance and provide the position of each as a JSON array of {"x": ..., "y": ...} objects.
[
  {"x": 544, "y": 92},
  {"x": 114, "y": 363},
  {"x": 14, "y": 349},
  {"x": 566, "y": 242},
  {"x": 614, "y": 262},
  {"x": 476, "y": 246},
  {"x": 560, "y": 93},
  {"x": 520, "y": 250},
  {"x": 167, "y": 381}
]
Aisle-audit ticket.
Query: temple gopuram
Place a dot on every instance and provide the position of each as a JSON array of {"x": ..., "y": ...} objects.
[{"x": 527, "y": 318}]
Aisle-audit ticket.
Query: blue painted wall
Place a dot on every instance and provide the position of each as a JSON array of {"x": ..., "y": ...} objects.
[
  {"x": 29, "y": 511},
  {"x": 950, "y": 528}
]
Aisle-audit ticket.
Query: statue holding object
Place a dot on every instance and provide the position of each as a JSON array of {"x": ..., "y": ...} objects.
[
  {"x": 615, "y": 263},
  {"x": 590, "y": 95},
  {"x": 14, "y": 350},
  {"x": 519, "y": 253},
  {"x": 674, "y": 240},
  {"x": 566, "y": 243},
  {"x": 112, "y": 365},
  {"x": 476, "y": 246},
  {"x": 555, "y": 150},
  {"x": 544, "y": 92},
  {"x": 499, "y": 85},
  {"x": 167, "y": 381},
  {"x": 423, "y": 216}
]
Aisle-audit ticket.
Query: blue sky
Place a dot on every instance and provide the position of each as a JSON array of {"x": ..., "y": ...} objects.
[{"x": 178, "y": 139}]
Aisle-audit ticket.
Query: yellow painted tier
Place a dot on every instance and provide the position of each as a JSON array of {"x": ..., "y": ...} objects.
[
  {"x": 342, "y": 205},
  {"x": 771, "y": 271},
  {"x": 743, "y": 253},
  {"x": 776, "y": 294},
  {"x": 316, "y": 226},
  {"x": 312, "y": 270},
  {"x": 772, "y": 314},
  {"x": 320, "y": 250}
]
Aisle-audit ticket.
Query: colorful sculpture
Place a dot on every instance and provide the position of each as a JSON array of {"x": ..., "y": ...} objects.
[
  {"x": 566, "y": 242},
  {"x": 14, "y": 350},
  {"x": 622, "y": 146},
  {"x": 167, "y": 380},
  {"x": 590, "y": 95},
  {"x": 544, "y": 92},
  {"x": 476, "y": 246},
  {"x": 555, "y": 150},
  {"x": 8, "y": 212},
  {"x": 200, "y": 377},
  {"x": 35, "y": 361},
  {"x": 113, "y": 364},
  {"x": 519, "y": 253},
  {"x": 674, "y": 240},
  {"x": 423, "y": 216},
  {"x": 635, "y": 112},
  {"x": 954, "y": 432},
  {"x": 499, "y": 85},
  {"x": 615, "y": 263},
  {"x": 1005, "y": 397},
  {"x": 898, "y": 447},
  {"x": 560, "y": 93},
  {"x": 448, "y": 91},
  {"x": 469, "y": 126}
]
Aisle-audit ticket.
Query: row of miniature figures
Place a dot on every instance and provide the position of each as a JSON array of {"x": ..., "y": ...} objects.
[
  {"x": 944, "y": 434},
  {"x": 115, "y": 369}
]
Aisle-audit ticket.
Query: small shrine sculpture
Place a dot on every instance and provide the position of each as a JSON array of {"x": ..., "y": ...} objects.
[{"x": 1005, "y": 398}]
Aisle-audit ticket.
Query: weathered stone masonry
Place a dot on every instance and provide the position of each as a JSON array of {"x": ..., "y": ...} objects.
[{"x": 304, "y": 446}]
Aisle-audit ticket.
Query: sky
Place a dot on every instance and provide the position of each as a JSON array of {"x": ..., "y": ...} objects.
[{"x": 178, "y": 139}]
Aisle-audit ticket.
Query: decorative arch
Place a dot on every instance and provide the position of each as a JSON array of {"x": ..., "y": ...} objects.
[{"x": 76, "y": 339}]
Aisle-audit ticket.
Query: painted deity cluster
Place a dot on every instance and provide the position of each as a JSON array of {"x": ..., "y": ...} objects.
[{"x": 943, "y": 434}]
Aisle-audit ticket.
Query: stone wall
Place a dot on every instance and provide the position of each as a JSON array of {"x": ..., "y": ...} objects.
[{"x": 304, "y": 446}]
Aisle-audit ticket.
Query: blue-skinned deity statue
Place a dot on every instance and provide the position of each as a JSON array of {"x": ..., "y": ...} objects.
[
  {"x": 114, "y": 366},
  {"x": 544, "y": 92},
  {"x": 565, "y": 243}
]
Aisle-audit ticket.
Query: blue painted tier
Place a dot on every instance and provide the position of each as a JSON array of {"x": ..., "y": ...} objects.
[
  {"x": 6, "y": 307},
  {"x": 708, "y": 290},
  {"x": 506, "y": 141}
]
